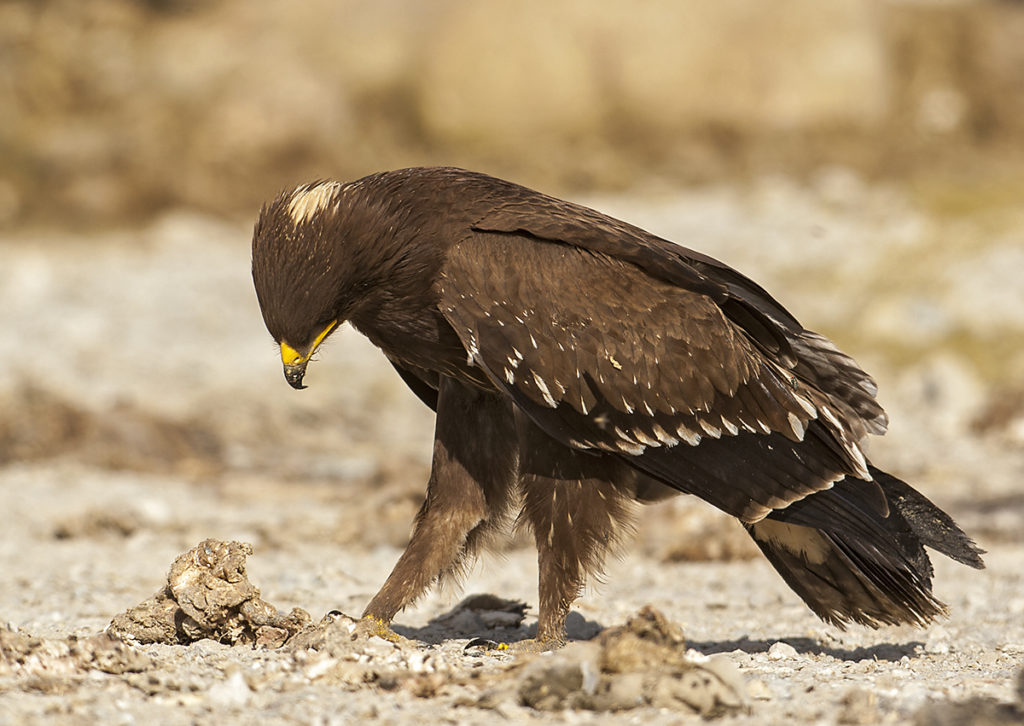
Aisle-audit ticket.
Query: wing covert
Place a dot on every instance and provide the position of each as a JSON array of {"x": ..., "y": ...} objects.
[{"x": 604, "y": 357}]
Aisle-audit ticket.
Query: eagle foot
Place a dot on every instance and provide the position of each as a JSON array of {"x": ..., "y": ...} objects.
[
  {"x": 371, "y": 626},
  {"x": 485, "y": 644}
]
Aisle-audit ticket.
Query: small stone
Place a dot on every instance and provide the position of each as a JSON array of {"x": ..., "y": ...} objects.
[
  {"x": 781, "y": 651},
  {"x": 727, "y": 671},
  {"x": 319, "y": 668},
  {"x": 378, "y": 648},
  {"x": 615, "y": 693},
  {"x": 232, "y": 692},
  {"x": 701, "y": 689},
  {"x": 269, "y": 637},
  {"x": 547, "y": 686},
  {"x": 758, "y": 690}
]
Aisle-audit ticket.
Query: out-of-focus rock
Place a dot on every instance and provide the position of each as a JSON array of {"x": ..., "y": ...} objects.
[
  {"x": 554, "y": 685},
  {"x": 781, "y": 651},
  {"x": 642, "y": 663},
  {"x": 647, "y": 640},
  {"x": 232, "y": 692}
]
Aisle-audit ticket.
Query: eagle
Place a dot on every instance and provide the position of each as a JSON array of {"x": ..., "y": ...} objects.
[{"x": 578, "y": 364}]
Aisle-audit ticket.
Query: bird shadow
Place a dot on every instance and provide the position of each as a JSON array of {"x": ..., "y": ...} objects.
[
  {"x": 445, "y": 628},
  {"x": 809, "y": 646}
]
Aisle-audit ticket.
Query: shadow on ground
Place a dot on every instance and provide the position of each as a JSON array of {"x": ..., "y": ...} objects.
[{"x": 891, "y": 652}]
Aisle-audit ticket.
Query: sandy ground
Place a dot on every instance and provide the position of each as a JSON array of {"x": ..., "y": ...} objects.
[{"x": 144, "y": 411}]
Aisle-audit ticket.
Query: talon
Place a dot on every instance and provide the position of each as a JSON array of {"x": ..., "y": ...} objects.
[
  {"x": 531, "y": 646},
  {"x": 380, "y": 628},
  {"x": 485, "y": 644}
]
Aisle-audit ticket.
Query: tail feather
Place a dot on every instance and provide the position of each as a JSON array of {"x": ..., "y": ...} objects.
[
  {"x": 933, "y": 527},
  {"x": 851, "y": 563}
]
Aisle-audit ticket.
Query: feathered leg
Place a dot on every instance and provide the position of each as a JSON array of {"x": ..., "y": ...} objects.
[
  {"x": 577, "y": 509},
  {"x": 471, "y": 488}
]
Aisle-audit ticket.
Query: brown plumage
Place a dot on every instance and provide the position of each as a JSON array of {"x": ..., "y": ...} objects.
[{"x": 577, "y": 364}]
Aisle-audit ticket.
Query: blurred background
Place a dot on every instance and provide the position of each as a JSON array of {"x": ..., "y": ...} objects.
[
  {"x": 115, "y": 110},
  {"x": 863, "y": 159}
]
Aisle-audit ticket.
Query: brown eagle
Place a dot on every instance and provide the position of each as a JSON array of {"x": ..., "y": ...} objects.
[{"x": 578, "y": 364}]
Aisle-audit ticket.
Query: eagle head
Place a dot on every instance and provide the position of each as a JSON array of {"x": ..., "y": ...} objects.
[{"x": 302, "y": 271}]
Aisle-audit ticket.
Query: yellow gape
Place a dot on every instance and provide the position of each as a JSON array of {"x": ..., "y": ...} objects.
[{"x": 291, "y": 357}]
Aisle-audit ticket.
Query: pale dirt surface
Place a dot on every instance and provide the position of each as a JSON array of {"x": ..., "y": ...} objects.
[{"x": 143, "y": 411}]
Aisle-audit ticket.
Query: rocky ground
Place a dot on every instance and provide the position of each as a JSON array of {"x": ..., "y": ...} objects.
[{"x": 143, "y": 413}]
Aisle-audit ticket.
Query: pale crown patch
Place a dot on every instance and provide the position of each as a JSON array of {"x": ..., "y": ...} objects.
[{"x": 307, "y": 201}]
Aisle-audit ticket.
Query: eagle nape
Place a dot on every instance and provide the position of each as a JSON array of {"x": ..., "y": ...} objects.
[{"x": 579, "y": 365}]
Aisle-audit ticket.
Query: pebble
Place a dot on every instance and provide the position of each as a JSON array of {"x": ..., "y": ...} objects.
[
  {"x": 319, "y": 668},
  {"x": 758, "y": 690},
  {"x": 781, "y": 651},
  {"x": 232, "y": 692}
]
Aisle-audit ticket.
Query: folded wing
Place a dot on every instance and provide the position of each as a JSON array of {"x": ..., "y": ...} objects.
[{"x": 673, "y": 369}]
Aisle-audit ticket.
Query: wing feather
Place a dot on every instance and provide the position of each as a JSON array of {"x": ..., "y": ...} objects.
[{"x": 603, "y": 356}]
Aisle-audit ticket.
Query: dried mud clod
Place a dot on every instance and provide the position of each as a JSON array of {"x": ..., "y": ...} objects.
[
  {"x": 208, "y": 595},
  {"x": 355, "y": 653},
  {"x": 55, "y": 665},
  {"x": 642, "y": 663}
]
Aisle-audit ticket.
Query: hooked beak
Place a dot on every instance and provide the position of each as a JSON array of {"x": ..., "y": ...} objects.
[
  {"x": 295, "y": 362},
  {"x": 294, "y": 373}
]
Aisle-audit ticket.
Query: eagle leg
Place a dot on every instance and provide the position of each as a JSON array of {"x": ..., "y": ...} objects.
[
  {"x": 577, "y": 510},
  {"x": 470, "y": 490}
]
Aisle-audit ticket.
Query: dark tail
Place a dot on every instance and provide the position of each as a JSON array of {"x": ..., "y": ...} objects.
[{"x": 852, "y": 562}]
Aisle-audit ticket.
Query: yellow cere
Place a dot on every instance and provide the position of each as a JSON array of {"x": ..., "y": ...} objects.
[{"x": 291, "y": 357}]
